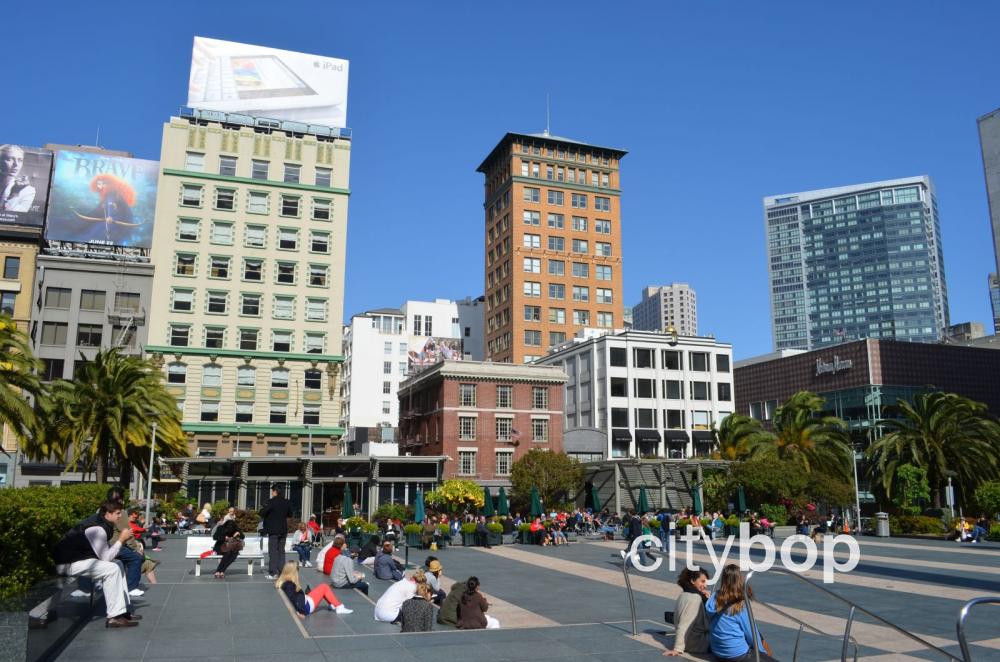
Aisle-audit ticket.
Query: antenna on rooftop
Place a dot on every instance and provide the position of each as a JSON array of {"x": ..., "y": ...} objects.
[
  {"x": 546, "y": 113},
  {"x": 97, "y": 140}
]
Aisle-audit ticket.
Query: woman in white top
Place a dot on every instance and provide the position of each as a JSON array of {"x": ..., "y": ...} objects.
[
  {"x": 690, "y": 621},
  {"x": 388, "y": 606}
]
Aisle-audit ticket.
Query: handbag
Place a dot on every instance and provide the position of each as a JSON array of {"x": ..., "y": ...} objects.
[{"x": 232, "y": 545}]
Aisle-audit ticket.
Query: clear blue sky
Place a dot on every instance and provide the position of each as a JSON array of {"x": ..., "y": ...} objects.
[{"x": 718, "y": 104}]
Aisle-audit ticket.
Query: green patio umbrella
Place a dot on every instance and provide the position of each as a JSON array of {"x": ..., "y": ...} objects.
[
  {"x": 418, "y": 508},
  {"x": 696, "y": 500},
  {"x": 348, "y": 509},
  {"x": 488, "y": 502},
  {"x": 596, "y": 499},
  {"x": 741, "y": 500},
  {"x": 503, "y": 508},
  {"x": 536, "y": 503},
  {"x": 643, "y": 501}
]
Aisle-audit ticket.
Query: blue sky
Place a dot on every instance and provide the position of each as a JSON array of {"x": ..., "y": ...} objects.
[{"x": 718, "y": 104}]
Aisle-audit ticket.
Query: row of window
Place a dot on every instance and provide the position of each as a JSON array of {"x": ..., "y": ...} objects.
[
  {"x": 243, "y": 413},
  {"x": 533, "y": 289},
  {"x": 557, "y": 198},
  {"x": 533, "y": 265},
  {"x": 569, "y": 154},
  {"x": 254, "y": 236},
  {"x": 555, "y": 222},
  {"x": 673, "y": 419},
  {"x": 182, "y": 335},
  {"x": 558, "y": 316},
  {"x": 259, "y": 169},
  {"x": 582, "y": 246},
  {"x": 246, "y": 376},
  {"x": 257, "y": 202},
  {"x": 252, "y": 269},
  {"x": 505, "y": 431},
  {"x": 671, "y": 389},
  {"x": 504, "y": 396},
  {"x": 96, "y": 300},
  {"x": 87, "y": 335},
  {"x": 217, "y": 303},
  {"x": 467, "y": 463},
  {"x": 643, "y": 357}
]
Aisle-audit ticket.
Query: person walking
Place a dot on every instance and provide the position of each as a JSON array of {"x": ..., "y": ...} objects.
[{"x": 274, "y": 517}]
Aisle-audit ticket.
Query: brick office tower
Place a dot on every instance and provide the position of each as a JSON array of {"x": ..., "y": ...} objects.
[
  {"x": 553, "y": 243},
  {"x": 482, "y": 416}
]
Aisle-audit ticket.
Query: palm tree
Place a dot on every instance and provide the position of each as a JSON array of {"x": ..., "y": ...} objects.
[
  {"x": 803, "y": 436},
  {"x": 104, "y": 415},
  {"x": 940, "y": 433},
  {"x": 19, "y": 381},
  {"x": 737, "y": 435}
]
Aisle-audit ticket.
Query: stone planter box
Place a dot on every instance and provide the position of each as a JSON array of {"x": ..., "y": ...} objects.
[
  {"x": 494, "y": 538},
  {"x": 414, "y": 540}
]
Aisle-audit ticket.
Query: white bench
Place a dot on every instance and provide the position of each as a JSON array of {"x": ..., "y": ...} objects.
[
  {"x": 198, "y": 545},
  {"x": 288, "y": 544}
]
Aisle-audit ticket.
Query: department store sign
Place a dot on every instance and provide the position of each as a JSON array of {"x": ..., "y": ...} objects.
[{"x": 837, "y": 365}]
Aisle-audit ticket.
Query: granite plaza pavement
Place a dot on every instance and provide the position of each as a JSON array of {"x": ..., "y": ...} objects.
[{"x": 566, "y": 603}]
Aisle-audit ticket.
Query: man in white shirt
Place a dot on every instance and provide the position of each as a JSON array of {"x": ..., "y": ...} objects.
[{"x": 388, "y": 606}]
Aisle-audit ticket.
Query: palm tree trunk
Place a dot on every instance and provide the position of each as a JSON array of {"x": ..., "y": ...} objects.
[
  {"x": 936, "y": 495},
  {"x": 125, "y": 473},
  {"x": 101, "y": 469}
]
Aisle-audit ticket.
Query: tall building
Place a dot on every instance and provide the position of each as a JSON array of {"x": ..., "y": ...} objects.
[
  {"x": 853, "y": 262},
  {"x": 989, "y": 143},
  {"x": 251, "y": 224},
  {"x": 994, "y": 286},
  {"x": 671, "y": 306},
  {"x": 553, "y": 243}
]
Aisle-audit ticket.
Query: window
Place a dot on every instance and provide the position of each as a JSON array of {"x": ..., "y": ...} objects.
[
  {"x": 292, "y": 173},
  {"x": 246, "y": 376},
  {"x": 467, "y": 395},
  {"x": 194, "y": 162},
  {"x": 675, "y": 419},
  {"x": 290, "y": 205},
  {"x": 467, "y": 428},
  {"x": 604, "y": 295},
  {"x": 310, "y": 414},
  {"x": 673, "y": 389},
  {"x": 188, "y": 229},
  {"x": 211, "y": 375},
  {"x": 579, "y": 224},
  {"x": 182, "y": 301},
  {"x": 215, "y": 337},
  {"x": 387, "y": 367},
  {"x": 316, "y": 310},
  {"x": 602, "y": 272},
  {"x": 532, "y": 313},
  {"x": 556, "y": 221},
  {"x": 699, "y": 391},
  {"x": 581, "y": 317},
  {"x": 314, "y": 343},
  {"x": 255, "y": 237},
  {"x": 725, "y": 392},
  {"x": 190, "y": 195},
  {"x": 531, "y": 194},
  {"x": 321, "y": 209},
  {"x": 539, "y": 429},
  {"x": 92, "y": 300},
  {"x": 557, "y": 315},
  {"x": 257, "y": 202},
  {"x": 227, "y": 166},
  {"x": 283, "y": 307},
  {"x": 402, "y": 368},
  {"x": 619, "y": 387},
  {"x": 579, "y": 201},
  {"x": 619, "y": 417},
  {"x": 222, "y": 233},
  {"x": 319, "y": 242},
  {"x": 184, "y": 264},
  {"x": 722, "y": 363},
  {"x": 179, "y": 335},
  {"x": 288, "y": 239},
  {"x": 54, "y": 333},
  {"x": 539, "y": 397},
  {"x": 209, "y": 412},
  {"x": 52, "y": 369},
  {"x": 532, "y": 241},
  {"x": 225, "y": 199},
  {"x": 555, "y": 198},
  {"x": 581, "y": 270},
  {"x": 248, "y": 338},
  {"x": 218, "y": 302},
  {"x": 532, "y": 338},
  {"x": 532, "y": 289},
  {"x": 505, "y": 397},
  {"x": 318, "y": 275},
  {"x": 645, "y": 388},
  {"x": 55, "y": 297},
  {"x": 428, "y": 325},
  {"x": 218, "y": 267},
  {"x": 286, "y": 273},
  {"x": 532, "y": 218},
  {"x": 557, "y": 244},
  {"x": 601, "y": 204},
  {"x": 581, "y": 293},
  {"x": 672, "y": 360},
  {"x": 89, "y": 335},
  {"x": 253, "y": 270},
  {"x": 418, "y": 321},
  {"x": 533, "y": 265},
  {"x": 605, "y": 320},
  {"x": 699, "y": 362},
  {"x": 127, "y": 301},
  {"x": 618, "y": 357},
  {"x": 244, "y": 412},
  {"x": 700, "y": 420},
  {"x": 281, "y": 341},
  {"x": 557, "y": 291},
  {"x": 258, "y": 169},
  {"x": 277, "y": 414},
  {"x": 580, "y": 246},
  {"x": 279, "y": 378},
  {"x": 556, "y": 338},
  {"x": 504, "y": 462},
  {"x": 323, "y": 177},
  {"x": 467, "y": 463},
  {"x": 602, "y": 248},
  {"x": 504, "y": 428},
  {"x": 602, "y": 227},
  {"x": 386, "y": 388},
  {"x": 645, "y": 418},
  {"x": 250, "y": 305}
]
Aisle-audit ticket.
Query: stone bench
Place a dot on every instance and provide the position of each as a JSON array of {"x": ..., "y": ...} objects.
[
  {"x": 36, "y": 624},
  {"x": 198, "y": 545}
]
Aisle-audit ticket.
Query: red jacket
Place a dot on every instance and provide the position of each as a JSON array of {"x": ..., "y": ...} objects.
[{"x": 332, "y": 554}]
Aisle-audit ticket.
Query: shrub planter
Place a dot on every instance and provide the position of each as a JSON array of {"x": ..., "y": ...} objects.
[
  {"x": 494, "y": 538},
  {"x": 469, "y": 539},
  {"x": 414, "y": 540}
]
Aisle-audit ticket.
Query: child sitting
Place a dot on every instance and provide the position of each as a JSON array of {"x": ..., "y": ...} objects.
[{"x": 306, "y": 603}]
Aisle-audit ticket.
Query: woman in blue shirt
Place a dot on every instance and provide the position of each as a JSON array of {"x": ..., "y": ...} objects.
[{"x": 730, "y": 635}]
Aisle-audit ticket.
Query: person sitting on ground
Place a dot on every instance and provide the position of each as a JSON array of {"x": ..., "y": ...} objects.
[
  {"x": 327, "y": 555},
  {"x": 472, "y": 612},
  {"x": 433, "y": 575},
  {"x": 388, "y": 606},
  {"x": 302, "y": 544},
  {"x": 306, "y": 603},
  {"x": 558, "y": 535},
  {"x": 690, "y": 622},
  {"x": 448, "y": 613},
  {"x": 367, "y": 554},
  {"x": 385, "y": 565},
  {"x": 86, "y": 551},
  {"x": 417, "y": 613},
  {"x": 730, "y": 635},
  {"x": 343, "y": 574},
  {"x": 228, "y": 543},
  {"x": 980, "y": 529}
]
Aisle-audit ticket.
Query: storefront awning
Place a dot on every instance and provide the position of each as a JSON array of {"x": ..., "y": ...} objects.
[
  {"x": 621, "y": 436},
  {"x": 704, "y": 436},
  {"x": 647, "y": 436},
  {"x": 676, "y": 436}
]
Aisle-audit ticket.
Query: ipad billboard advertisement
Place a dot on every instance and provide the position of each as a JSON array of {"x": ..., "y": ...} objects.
[
  {"x": 267, "y": 82},
  {"x": 102, "y": 199}
]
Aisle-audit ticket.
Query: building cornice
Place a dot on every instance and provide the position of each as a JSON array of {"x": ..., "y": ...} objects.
[
  {"x": 249, "y": 428},
  {"x": 256, "y": 182},
  {"x": 242, "y": 353}
]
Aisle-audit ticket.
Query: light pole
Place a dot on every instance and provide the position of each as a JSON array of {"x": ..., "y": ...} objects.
[
  {"x": 857, "y": 488},
  {"x": 149, "y": 474}
]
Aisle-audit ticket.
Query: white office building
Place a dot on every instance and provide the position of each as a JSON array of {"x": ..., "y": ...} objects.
[
  {"x": 667, "y": 307},
  {"x": 643, "y": 394}
]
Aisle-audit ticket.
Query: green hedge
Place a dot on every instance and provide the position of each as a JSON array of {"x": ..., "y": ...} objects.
[
  {"x": 916, "y": 524},
  {"x": 32, "y": 521}
]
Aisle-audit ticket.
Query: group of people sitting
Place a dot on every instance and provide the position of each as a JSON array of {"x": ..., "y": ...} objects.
[{"x": 971, "y": 532}]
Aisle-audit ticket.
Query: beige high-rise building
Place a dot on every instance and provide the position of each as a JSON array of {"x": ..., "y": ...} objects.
[
  {"x": 667, "y": 307},
  {"x": 251, "y": 225}
]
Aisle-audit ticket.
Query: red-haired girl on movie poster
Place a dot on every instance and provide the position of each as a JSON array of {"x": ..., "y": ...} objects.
[{"x": 113, "y": 210}]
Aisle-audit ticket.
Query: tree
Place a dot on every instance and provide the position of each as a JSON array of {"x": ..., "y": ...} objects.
[
  {"x": 911, "y": 488},
  {"x": 988, "y": 497},
  {"x": 765, "y": 480},
  {"x": 554, "y": 474},
  {"x": 456, "y": 495},
  {"x": 807, "y": 439},
  {"x": 737, "y": 435},
  {"x": 18, "y": 381},
  {"x": 103, "y": 416},
  {"x": 943, "y": 434}
]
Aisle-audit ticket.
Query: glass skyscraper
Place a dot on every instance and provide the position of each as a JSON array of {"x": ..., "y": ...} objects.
[
  {"x": 989, "y": 142},
  {"x": 853, "y": 262}
]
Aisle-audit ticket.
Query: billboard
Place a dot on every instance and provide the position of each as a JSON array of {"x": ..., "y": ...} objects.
[
  {"x": 24, "y": 185},
  {"x": 267, "y": 82},
  {"x": 102, "y": 199},
  {"x": 426, "y": 351}
]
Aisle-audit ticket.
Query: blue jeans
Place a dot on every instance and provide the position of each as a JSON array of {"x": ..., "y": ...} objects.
[
  {"x": 304, "y": 549},
  {"x": 133, "y": 566},
  {"x": 977, "y": 533}
]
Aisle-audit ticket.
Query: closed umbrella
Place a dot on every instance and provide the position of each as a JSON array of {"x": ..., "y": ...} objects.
[
  {"x": 488, "y": 502},
  {"x": 741, "y": 500},
  {"x": 503, "y": 508},
  {"x": 348, "y": 509},
  {"x": 418, "y": 508},
  {"x": 595, "y": 499},
  {"x": 696, "y": 499},
  {"x": 643, "y": 501},
  {"x": 536, "y": 503}
]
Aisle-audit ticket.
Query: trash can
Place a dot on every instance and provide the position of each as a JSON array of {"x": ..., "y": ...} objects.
[{"x": 882, "y": 525}]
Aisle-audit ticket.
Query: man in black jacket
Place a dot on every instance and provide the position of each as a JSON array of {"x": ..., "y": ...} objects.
[{"x": 275, "y": 516}]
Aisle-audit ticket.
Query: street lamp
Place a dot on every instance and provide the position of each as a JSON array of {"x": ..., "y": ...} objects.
[{"x": 149, "y": 474}]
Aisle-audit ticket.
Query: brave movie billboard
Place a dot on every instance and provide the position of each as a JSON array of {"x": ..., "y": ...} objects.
[
  {"x": 102, "y": 199},
  {"x": 268, "y": 82},
  {"x": 24, "y": 185}
]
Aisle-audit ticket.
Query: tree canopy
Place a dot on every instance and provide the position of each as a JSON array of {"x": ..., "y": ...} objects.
[{"x": 555, "y": 475}]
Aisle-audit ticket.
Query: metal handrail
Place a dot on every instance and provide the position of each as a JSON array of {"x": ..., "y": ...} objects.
[
  {"x": 798, "y": 636},
  {"x": 850, "y": 621},
  {"x": 960, "y": 626}
]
